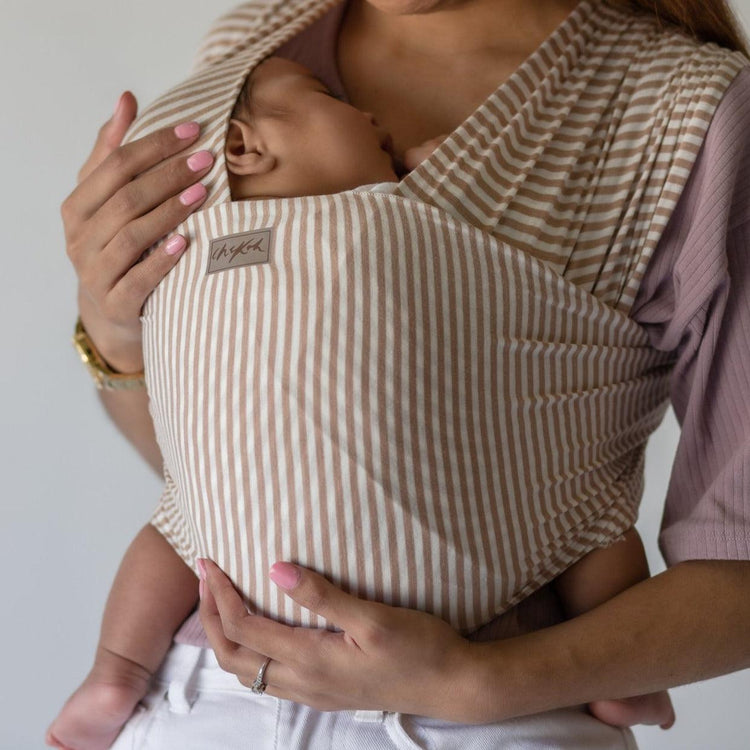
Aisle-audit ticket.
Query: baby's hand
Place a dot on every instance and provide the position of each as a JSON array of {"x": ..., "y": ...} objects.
[
  {"x": 654, "y": 708},
  {"x": 417, "y": 154},
  {"x": 93, "y": 716}
]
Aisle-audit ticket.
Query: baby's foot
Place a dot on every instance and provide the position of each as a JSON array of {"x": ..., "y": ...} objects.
[
  {"x": 93, "y": 716},
  {"x": 654, "y": 708}
]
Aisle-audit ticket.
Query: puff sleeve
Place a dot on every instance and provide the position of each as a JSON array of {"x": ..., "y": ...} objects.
[{"x": 695, "y": 301}]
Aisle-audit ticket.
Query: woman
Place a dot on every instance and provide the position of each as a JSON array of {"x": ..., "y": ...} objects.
[{"x": 380, "y": 43}]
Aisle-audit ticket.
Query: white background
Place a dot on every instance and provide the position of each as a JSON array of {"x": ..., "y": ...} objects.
[{"x": 74, "y": 492}]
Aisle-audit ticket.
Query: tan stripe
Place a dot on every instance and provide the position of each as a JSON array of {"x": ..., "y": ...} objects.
[
  {"x": 423, "y": 585},
  {"x": 242, "y": 325},
  {"x": 188, "y": 431},
  {"x": 337, "y": 499},
  {"x": 202, "y": 496},
  {"x": 410, "y": 565},
  {"x": 258, "y": 389},
  {"x": 288, "y": 543},
  {"x": 275, "y": 397},
  {"x": 490, "y": 490},
  {"x": 382, "y": 434},
  {"x": 303, "y": 541},
  {"x": 322, "y": 313},
  {"x": 469, "y": 468},
  {"x": 369, "y": 288},
  {"x": 453, "y": 314},
  {"x": 225, "y": 430},
  {"x": 355, "y": 566}
]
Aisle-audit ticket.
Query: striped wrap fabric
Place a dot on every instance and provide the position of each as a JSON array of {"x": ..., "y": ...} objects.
[{"x": 431, "y": 392}]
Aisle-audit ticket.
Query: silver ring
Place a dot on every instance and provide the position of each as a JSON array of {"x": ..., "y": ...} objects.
[{"x": 259, "y": 687}]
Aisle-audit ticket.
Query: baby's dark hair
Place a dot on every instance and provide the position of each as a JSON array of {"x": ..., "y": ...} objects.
[
  {"x": 243, "y": 107},
  {"x": 250, "y": 108}
]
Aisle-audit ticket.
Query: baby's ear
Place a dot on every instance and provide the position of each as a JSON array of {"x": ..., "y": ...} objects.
[{"x": 245, "y": 151}]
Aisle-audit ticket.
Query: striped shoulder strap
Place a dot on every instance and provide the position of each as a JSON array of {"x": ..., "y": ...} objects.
[
  {"x": 229, "y": 31},
  {"x": 579, "y": 158}
]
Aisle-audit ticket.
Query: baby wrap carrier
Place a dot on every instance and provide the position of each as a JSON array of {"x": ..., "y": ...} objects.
[{"x": 429, "y": 391}]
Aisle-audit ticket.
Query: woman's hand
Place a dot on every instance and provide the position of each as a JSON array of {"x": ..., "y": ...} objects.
[
  {"x": 386, "y": 658},
  {"x": 127, "y": 198}
]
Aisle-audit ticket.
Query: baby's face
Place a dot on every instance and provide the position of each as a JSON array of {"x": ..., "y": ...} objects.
[{"x": 302, "y": 140}]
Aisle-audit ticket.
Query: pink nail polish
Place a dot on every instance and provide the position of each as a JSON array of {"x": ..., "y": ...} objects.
[
  {"x": 200, "y": 160},
  {"x": 285, "y": 574},
  {"x": 201, "y": 567},
  {"x": 187, "y": 130},
  {"x": 193, "y": 194},
  {"x": 200, "y": 589},
  {"x": 175, "y": 245}
]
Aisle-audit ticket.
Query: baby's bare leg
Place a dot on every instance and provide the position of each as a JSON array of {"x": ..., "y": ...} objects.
[
  {"x": 153, "y": 592},
  {"x": 599, "y": 576},
  {"x": 602, "y": 574}
]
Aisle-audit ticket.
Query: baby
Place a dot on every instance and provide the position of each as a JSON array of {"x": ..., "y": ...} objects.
[{"x": 289, "y": 136}]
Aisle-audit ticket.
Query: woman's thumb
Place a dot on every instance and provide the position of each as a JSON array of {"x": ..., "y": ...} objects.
[
  {"x": 125, "y": 112},
  {"x": 110, "y": 134}
]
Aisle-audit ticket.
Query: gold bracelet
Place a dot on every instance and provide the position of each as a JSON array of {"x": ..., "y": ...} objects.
[{"x": 104, "y": 376}]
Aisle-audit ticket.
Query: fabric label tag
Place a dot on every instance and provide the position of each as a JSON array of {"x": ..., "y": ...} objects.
[{"x": 236, "y": 250}]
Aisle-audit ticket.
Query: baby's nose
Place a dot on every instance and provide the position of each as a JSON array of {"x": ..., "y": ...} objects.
[{"x": 371, "y": 118}]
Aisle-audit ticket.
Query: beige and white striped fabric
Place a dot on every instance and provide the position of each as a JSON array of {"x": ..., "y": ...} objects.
[{"x": 431, "y": 392}]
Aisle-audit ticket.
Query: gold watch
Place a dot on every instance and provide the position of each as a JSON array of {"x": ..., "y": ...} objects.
[{"x": 104, "y": 376}]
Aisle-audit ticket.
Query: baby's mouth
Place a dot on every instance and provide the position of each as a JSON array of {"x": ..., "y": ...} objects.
[{"x": 386, "y": 144}]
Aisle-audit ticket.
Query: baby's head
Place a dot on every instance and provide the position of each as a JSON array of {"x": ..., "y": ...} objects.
[{"x": 289, "y": 136}]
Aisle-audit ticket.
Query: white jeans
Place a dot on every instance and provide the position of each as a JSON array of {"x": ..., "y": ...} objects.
[{"x": 194, "y": 705}]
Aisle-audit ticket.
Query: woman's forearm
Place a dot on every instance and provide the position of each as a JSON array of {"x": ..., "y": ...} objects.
[
  {"x": 129, "y": 411},
  {"x": 690, "y": 623}
]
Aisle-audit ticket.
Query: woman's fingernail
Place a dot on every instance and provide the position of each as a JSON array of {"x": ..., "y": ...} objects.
[
  {"x": 200, "y": 589},
  {"x": 193, "y": 194},
  {"x": 200, "y": 160},
  {"x": 201, "y": 567},
  {"x": 187, "y": 130},
  {"x": 285, "y": 575},
  {"x": 175, "y": 245}
]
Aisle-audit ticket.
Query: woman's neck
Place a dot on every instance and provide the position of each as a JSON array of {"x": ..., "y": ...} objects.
[{"x": 458, "y": 27}]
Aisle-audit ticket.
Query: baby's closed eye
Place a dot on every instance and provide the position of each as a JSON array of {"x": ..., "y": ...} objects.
[{"x": 331, "y": 94}]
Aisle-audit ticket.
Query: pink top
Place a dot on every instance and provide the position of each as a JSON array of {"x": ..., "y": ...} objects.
[{"x": 686, "y": 304}]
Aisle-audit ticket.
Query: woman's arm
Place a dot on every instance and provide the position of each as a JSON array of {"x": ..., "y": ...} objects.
[
  {"x": 687, "y": 624},
  {"x": 128, "y": 409},
  {"x": 125, "y": 200}
]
